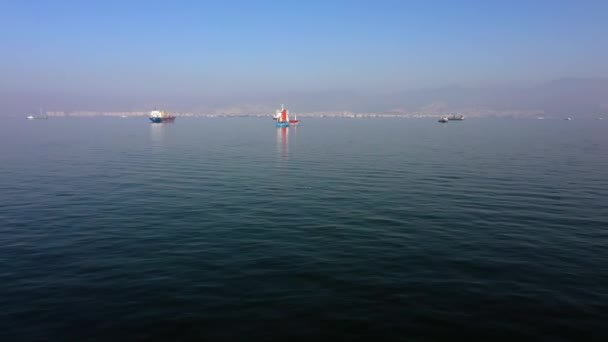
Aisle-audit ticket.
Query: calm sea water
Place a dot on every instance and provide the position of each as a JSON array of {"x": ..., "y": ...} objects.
[{"x": 232, "y": 229}]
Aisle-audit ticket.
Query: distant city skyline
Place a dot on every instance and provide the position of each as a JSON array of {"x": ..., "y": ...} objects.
[{"x": 322, "y": 55}]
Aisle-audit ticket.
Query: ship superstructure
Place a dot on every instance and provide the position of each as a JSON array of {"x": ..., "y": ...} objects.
[
  {"x": 282, "y": 118},
  {"x": 158, "y": 116}
]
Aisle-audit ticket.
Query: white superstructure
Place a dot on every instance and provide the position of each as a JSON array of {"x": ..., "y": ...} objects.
[{"x": 156, "y": 114}]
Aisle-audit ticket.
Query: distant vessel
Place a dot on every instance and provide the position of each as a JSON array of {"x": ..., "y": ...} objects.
[
  {"x": 568, "y": 119},
  {"x": 444, "y": 120},
  {"x": 158, "y": 116},
  {"x": 455, "y": 117},
  {"x": 294, "y": 121},
  {"x": 282, "y": 118},
  {"x": 39, "y": 117}
]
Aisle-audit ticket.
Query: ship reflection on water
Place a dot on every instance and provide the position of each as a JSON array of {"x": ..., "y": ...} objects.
[
  {"x": 283, "y": 141},
  {"x": 157, "y": 133}
]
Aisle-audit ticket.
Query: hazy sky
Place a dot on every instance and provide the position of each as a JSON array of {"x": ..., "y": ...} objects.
[{"x": 184, "y": 49}]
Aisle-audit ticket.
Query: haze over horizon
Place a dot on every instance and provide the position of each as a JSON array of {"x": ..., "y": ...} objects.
[{"x": 339, "y": 55}]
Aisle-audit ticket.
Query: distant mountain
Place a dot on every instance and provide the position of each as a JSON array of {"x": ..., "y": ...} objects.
[
  {"x": 572, "y": 96},
  {"x": 575, "y": 97}
]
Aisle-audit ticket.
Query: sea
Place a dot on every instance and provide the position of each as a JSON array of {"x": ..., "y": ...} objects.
[{"x": 230, "y": 229}]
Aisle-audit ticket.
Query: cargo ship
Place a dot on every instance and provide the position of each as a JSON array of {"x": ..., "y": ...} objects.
[
  {"x": 282, "y": 118},
  {"x": 158, "y": 116}
]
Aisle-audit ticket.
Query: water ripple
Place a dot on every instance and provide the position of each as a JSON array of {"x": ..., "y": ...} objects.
[{"x": 217, "y": 229}]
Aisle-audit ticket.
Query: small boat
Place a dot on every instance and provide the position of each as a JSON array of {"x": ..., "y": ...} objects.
[
  {"x": 158, "y": 116},
  {"x": 294, "y": 121},
  {"x": 443, "y": 120},
  {"x": 39, "y": 117},
  {"x": 568, "y": 119}
]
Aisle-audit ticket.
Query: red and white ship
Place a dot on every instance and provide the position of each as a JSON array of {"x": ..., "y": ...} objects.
[{"x": 282, "y": 118}]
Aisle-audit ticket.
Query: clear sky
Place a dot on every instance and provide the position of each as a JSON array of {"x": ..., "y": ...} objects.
[{"x": 185, "y": 48}]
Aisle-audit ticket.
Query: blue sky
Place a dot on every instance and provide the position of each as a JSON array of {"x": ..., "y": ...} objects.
[{"x": 227, "y": 48}]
